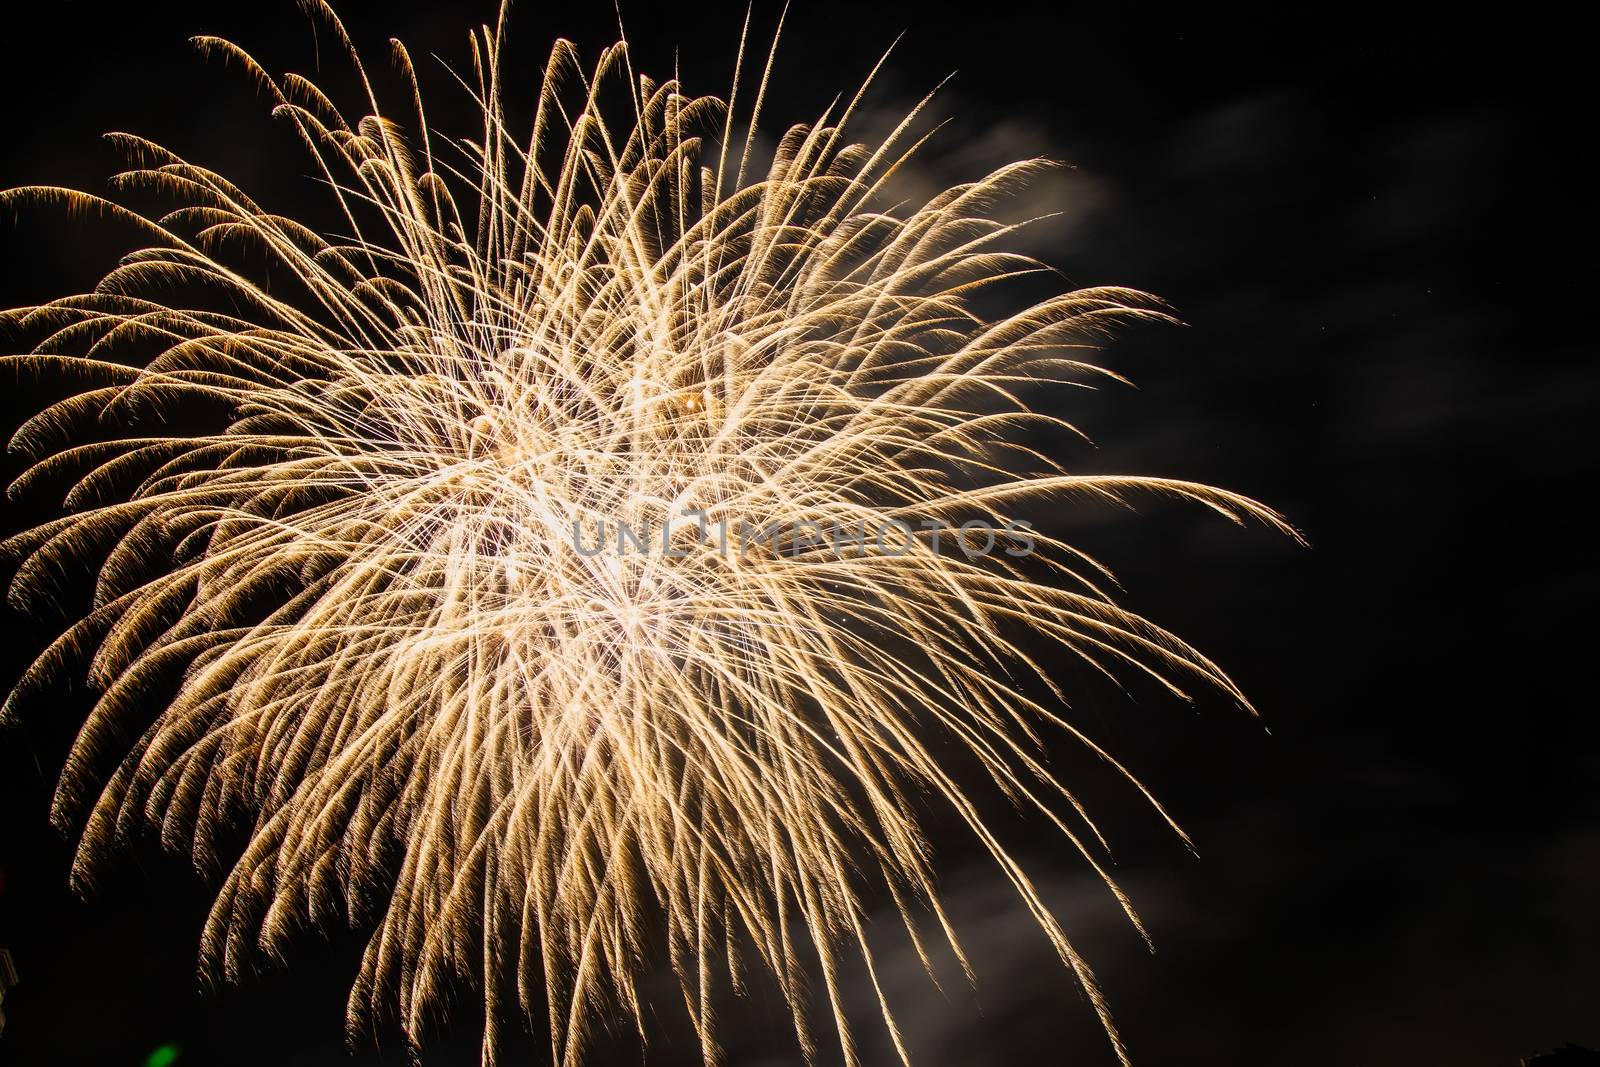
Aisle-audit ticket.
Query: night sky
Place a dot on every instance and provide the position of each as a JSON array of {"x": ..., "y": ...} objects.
[{"x": 1376, "y": 230}]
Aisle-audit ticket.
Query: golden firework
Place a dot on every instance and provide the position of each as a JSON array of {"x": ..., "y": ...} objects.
[{"x": 379, "y": 588}]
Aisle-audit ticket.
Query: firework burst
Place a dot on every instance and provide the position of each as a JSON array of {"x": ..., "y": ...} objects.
[{"x": 371, "y": 590}]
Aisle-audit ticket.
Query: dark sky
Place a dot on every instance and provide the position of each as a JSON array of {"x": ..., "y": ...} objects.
[{"x": 1376, "y": 229}]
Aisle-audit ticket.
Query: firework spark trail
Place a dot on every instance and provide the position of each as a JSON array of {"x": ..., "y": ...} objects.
[{"x": 389, "y": 662}]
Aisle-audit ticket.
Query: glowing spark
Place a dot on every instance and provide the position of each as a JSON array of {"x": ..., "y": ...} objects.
[{"x": 386, "y": 655}]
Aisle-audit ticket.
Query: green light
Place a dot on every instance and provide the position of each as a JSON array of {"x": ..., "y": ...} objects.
[{"x": 162, "y": 1057}]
